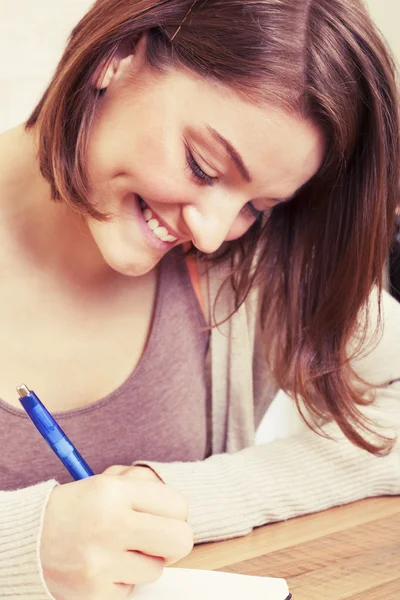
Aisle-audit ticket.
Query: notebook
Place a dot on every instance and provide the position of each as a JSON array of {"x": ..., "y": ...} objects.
[{"x": 193, "y": 584}]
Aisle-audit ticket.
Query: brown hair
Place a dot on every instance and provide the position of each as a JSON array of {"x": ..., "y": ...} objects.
[{"x": 320, "y": 255}]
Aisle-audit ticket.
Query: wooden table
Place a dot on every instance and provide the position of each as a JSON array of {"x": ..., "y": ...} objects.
[{"x": 346, "y": 553}]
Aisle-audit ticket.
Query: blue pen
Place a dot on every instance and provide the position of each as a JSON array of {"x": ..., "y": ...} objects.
[{"x": 53, "y": 434}]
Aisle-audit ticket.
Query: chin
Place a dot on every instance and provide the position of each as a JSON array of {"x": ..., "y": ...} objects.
[
  {"x": 131, "y": 268},
  {"x": 122, "y": 247},
  {"x": 136, "y": 270}
]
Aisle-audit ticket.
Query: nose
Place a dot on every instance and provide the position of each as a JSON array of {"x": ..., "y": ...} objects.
[{"x": 209, "y": 223}]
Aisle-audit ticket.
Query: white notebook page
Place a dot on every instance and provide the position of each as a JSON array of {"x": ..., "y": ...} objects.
[{"x": 193, "y": 584}]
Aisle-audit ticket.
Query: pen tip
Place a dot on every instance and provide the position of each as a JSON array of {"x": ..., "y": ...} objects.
[{"x": 23, "y": 391}]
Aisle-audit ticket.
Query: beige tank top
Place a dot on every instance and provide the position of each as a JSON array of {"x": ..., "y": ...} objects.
[{"x": 158, "y": 413}]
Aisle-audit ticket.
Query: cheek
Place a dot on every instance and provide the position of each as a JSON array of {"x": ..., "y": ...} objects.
[{"x": 239, "y": 227}]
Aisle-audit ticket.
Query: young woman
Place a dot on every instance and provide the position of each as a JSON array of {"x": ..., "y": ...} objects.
[{"x": 197, "y": 213}]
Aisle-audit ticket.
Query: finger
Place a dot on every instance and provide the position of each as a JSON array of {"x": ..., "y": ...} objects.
[
  {"x": 136, "y": 471},
  {"x": 141, "y": 472},
  {"x": 115, "y": 470},
  {"x": 170, "y": 539},
  {"x": 125, "y": 589},
  {"x": 135, "y": 567},
  {"x": 155, "y": 498}
]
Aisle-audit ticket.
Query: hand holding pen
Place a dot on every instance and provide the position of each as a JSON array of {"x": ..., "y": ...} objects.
[
  {"x": 53, "y": 434},
  {"x": 105, "y": 533}
]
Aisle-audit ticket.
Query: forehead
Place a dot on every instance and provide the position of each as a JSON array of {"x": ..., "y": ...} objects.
[
  {"x": 282, "y": 150},
  {"x": 284, "y": 153}
]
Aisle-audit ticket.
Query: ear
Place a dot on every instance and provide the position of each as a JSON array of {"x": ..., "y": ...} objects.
[{"x": 124, "y": 59}]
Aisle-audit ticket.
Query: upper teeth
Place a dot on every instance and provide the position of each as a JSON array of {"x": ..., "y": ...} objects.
[{"x": 161, "y": 232}]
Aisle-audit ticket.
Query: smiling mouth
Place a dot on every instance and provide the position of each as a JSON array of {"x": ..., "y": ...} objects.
[{"x": 161, "y": 232}]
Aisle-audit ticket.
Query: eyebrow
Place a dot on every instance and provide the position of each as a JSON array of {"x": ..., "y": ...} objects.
[
  {"x": 239, "y": 162},
  {"x": 233, "y": 153}
]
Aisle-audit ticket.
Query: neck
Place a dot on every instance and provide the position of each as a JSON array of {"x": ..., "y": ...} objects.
[{"x": 48, "y": 235}]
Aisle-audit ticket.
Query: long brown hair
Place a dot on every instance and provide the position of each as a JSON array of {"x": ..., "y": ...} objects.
[{"x": 320, "y": 255}]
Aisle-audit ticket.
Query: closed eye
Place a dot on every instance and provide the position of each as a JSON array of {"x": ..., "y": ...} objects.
[
  {"x": 202, "y": 178},
  {"x": 196, "y": 171},
  {"x": 250, "y": 209}
]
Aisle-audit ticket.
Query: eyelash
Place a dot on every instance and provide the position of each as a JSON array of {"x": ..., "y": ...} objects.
[
  {"x": 204, "y": 179},
  {"x": 201, "y": 177},
  {"x": 252, "y": 211}
]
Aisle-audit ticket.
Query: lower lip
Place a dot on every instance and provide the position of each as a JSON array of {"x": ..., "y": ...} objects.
[{"x": 151, "y": 238}]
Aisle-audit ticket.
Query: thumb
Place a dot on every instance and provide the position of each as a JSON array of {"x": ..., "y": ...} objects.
[{"x": 139, "y": 472}]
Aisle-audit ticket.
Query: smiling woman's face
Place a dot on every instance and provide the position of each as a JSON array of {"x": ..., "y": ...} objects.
[{"x": 173, "y": 158}]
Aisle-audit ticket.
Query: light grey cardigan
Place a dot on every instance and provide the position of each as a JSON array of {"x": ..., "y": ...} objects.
[{"x": 241, "y": 485}]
